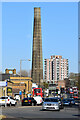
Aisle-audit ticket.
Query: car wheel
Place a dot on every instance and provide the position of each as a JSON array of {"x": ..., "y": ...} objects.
[
  {"x": 70, "y": 105},
  {"x": 9, "y": 104},
  {"x": 62, "y": 107},
  {"x": 15, "y": 104},
  {"x": 43, "y": 109},
  {"x": 35, "y": 104},
  {"x": 22, "y": 105},
  {"x": 58, "y": 110}
]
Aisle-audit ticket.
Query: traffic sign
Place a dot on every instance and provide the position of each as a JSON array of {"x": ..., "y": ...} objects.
[
  {"x": 20, "y": 92},
  {"x": 3, "y": 83}
]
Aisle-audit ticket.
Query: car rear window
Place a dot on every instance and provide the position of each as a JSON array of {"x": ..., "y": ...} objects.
[
  {"x": 30, "y": 98},
  {"x": 25, "y": 99},
  {"x": 12, "y": 98},
  {"x": 4, "y": 97}
]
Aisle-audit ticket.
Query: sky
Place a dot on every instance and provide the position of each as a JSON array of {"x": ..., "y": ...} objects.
[{"x": 59, "y": 23}]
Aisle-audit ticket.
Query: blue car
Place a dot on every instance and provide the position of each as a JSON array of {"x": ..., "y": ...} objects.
[
  {"x": 72, "y": 101},
  {"x": 66, "y": 102}
]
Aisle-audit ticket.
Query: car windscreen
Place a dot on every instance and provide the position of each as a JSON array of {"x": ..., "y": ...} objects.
[
  {"x": 30, "y": 98},
  {"x": 64, "y": 99},
  {"x": 71, "y": 99},
  {"x": 54, "y": 100},
  {"x": 4, "y": 98},
  {"x": 50, "y": 100},
  {"x": 59, "y": 99}
]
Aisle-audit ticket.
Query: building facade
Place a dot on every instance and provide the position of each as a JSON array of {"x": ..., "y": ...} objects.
[
  {"x": 15, "y": 84},
  {"x": 37, "y": 60},
  {"x": 55, "y": 68}
]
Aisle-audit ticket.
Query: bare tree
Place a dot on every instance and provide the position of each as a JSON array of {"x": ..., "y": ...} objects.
[
  {"x": 29, "y": 73},
  {"x": 24, "y": 73}
]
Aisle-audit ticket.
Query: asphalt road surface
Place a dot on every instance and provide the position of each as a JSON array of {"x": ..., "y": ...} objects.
[{"x": 22, "y": 112}]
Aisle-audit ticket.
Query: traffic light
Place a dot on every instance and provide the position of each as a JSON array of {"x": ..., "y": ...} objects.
[
  {"x": 62, "y": 90},
  {"x": 56, "y": 91},
  {"x": 24, "y": 92}
]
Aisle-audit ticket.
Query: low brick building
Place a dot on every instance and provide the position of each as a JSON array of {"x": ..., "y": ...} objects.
[
  {"x": 15, "y": 84},
  {"x": 23, "y": 84}
]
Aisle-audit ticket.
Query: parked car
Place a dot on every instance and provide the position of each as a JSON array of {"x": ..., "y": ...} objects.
[
  {"x": 38, "y": 99},
  {"x": 66, "y": 102},
  {"x": 7, "y": 101},
  {"x": 29, "y": 101},
  {"x": 50, "y": 104}
]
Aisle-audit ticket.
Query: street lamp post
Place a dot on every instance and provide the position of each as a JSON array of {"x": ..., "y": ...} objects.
[
  {"x": 21, "y": 63},
  {"x": 20, "y": 68}
]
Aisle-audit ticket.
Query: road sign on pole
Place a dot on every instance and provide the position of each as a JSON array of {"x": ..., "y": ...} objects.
[
  {"x": 20, "y": 92},
  {"x": 3, "y": 83}
]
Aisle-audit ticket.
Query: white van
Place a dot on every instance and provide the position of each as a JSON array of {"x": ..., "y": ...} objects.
[
  {"x": 38, "y": 99},
  {"x": 17, "y": 97}
]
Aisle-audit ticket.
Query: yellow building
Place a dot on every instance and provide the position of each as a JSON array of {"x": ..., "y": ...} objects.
[
  {"x": 15, "y": 84},
  {"x": 23, "y": 84},
  {"x": 6, "y": 90},
  {"x": 1, "y": 92}
]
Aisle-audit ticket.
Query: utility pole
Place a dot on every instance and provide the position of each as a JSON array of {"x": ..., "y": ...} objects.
[
  {"x": 20, "y": 69},
  {"x": 20, "y": 77}
]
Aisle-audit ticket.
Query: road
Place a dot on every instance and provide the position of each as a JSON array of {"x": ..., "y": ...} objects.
[{"x": 22, "y": 112}]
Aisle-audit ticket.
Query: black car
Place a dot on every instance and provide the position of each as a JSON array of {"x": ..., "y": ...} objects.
[{"x": 29, "y": 101}]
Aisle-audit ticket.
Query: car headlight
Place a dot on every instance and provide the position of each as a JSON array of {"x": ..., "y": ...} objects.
[
  {"x": 56, "y": 104},
  {"x": 44, "y": 104}
]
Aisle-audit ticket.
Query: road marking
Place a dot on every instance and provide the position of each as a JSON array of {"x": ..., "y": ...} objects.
[
  {"x": 23, "y": 107},
  {"x": 29, "y": 106}
]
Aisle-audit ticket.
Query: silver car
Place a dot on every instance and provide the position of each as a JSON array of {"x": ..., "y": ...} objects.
[{"x": 50, "y": 104}]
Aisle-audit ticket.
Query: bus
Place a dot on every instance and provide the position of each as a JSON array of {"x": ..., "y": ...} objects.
[{"x": 37, "y": 92}]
